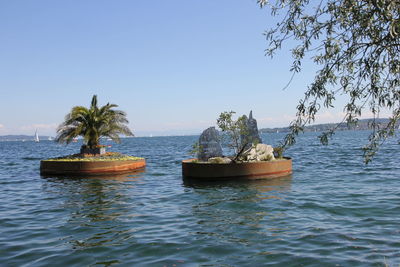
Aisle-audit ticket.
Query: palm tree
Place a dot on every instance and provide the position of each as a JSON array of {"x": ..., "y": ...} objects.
[{"x": 93, "y": 123}]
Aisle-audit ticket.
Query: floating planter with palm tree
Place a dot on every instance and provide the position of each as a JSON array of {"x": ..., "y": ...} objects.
[
  {"x": 251, "y": 159},
  {"x": 92, "y": 124}
]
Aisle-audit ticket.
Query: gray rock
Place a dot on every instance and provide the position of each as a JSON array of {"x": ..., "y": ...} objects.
[
  {"x": 252, "y": 137},
  {"x": 210, "y": 145}
]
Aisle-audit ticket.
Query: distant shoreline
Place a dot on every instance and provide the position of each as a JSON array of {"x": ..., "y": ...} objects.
[
  {"x": 361, "y": 126},
  {"x": 20, "y": 137},
  {"x": 30, "y": 138}
]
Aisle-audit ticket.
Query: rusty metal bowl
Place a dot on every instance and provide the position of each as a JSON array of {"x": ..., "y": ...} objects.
[
  {"x": 49, "y": 167},
  {"x": 191, "y": 168}
]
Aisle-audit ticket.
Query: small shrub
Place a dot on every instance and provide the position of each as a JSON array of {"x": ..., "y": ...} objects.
[
  {"x": 278, "y": 152},
  {"x": 109, "y": 156}
]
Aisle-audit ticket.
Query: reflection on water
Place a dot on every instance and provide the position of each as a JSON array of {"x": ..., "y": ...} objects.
[
  {"x": 122, "y": 177},
  {"x": 97, "y": 207},
  {"x": 253, "y": 185},
  {"x": 272, "y": 188},
  {"x": 226, "y": 206}
]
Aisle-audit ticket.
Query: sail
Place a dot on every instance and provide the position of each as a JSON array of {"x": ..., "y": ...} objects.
[{"x": 36, "y": 136}]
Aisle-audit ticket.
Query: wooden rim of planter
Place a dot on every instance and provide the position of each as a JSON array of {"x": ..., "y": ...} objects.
[
  {"x": 79, "y": 168},
  {"x": 243, "y": 170}
]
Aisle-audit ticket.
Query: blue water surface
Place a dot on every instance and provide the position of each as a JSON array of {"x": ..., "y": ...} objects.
[{"x": 333, "y": 210}]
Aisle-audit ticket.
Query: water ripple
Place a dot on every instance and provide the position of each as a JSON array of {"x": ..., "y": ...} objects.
[{"x": 332, "y": 211}]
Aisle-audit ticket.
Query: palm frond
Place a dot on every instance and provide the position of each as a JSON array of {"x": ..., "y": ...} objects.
[{"x": 93, "y": 123}]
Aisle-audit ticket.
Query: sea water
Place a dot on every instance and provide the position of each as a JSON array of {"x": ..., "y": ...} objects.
[{"x": 333, "y": 210}]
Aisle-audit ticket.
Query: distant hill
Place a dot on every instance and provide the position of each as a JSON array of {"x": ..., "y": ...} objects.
[{"x": 362, "y": 125}]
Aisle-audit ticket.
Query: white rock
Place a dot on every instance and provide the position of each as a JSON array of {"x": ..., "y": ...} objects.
[{"x": 261, "y": 152}]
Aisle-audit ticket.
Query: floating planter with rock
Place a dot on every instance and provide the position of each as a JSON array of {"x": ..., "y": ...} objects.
[
  {"x": 92, "y": 124},
  {"x": 251, "y": 160}
]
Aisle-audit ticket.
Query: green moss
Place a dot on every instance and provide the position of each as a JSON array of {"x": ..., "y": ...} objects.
[
  {"x": 109, "y": 156},
  {"x": 218, "y": 160}
]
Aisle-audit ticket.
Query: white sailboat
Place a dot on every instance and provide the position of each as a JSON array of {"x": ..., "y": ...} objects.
[{"x": 36, "y": 137}]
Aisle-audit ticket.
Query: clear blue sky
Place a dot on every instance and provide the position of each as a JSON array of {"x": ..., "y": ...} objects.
[{"x": 173, "y": 66}]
